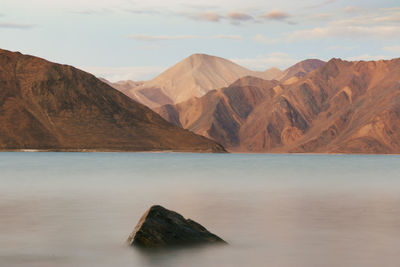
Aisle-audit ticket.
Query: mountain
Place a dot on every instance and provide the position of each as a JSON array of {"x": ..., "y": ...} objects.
[
  {"x": 340, "y": 107},
  {"x": 269, "y": 74},
  {"x": 49, "y": 106},
  {"x": 192, "y": 77},
  {"x": 300, "y": 69},
  {"x": 343, "y": 107},
  {"x": 220, "y": 113}
]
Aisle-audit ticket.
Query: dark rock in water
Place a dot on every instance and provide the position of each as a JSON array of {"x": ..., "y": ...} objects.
[{"x": 160, "y": 227}]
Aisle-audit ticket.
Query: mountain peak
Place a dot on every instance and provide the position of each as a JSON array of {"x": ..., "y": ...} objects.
[
  {"x": 204, "y": 60},
  {"x": 194, "y": 76},
  {"x": 198, "y": 74},
  {"x": 201, "y": 56}
]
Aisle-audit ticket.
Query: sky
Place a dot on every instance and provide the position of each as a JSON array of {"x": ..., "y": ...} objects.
[{"x": 136, "y": 40}]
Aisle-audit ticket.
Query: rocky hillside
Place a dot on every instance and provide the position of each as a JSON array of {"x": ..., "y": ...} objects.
[
  {"x": 344, "y": 107},
  {"x": 221, "y": 113},
  {"x": 300, "y": 69},
  {"x": 49, "y": 106},
  {"x": 341, "y": 107}
]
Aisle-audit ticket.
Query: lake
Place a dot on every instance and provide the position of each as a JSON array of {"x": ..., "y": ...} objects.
[{"x": 77, "y": 209}]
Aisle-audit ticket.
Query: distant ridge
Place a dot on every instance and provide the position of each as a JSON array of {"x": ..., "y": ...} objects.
[
  {"x": 334, "y": 107},
  {"x": 192, "y": 77}
]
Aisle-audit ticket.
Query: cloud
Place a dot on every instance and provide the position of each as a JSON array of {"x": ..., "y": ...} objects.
[
  {"x": 324, "y": 3},
  {"x": 321, "y": 17},
  {"x": 239, "y": 16},
  {"x": 227, "y": 36},
  {"x": 142, "y": 11},
  {"x": 351, "y": 9},
  {"x": 367, "y": 57},
  {"x": 199, "y": 6},
  {"x": 356, "y": 23},
  {"x": 205, "y": 16},
  {"x": 94, "y": 11},
  {"x": 16, "y": 26},
  {"x": 276, "y": 15},
  {"x": 234, "y": 17},
  {"x": 345, "y": 31},
  {"x": 211, "y": 16},
  {"x": 277, "y": 59},
  {"x": 259, "y": 38},
  {"x": 338, "y": 47},
  {"x": 393, "y": 49},
  {"x": 145, "y": 37},
  {"x": 115, "y": 74}
]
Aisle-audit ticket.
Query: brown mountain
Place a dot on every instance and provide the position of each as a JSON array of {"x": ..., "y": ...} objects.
[
  {"x": 192, "y": 77},
  {"x": 269, "y": 74},
  {"x": 300, "y": 69},
  {"x": 341, "y": 107},
  {"x": 220, "y": 113},
  {"x": 44, "y": 105}
]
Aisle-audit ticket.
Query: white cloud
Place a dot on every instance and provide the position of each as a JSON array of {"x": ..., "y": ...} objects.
[
  {"x": 339, "y": 47},
  {"x": 227, "y": 36},
  {"x": 352, "y": 22},
  {"x": 351, "y": 9},
  {"x": 146, "y": 37},
  {"x": 327, "y": 2},
  {"x": 277, "y": 59},
  {"x": 260, "y": 38},
  {"x": 345, "y": 31},
  {"x": 114, "y": 74}
]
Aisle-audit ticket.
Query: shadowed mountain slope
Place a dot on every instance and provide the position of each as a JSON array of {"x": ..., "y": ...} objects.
[
  {"x": 220, "y": 113},
  {"x": 341, "y": 107},
  {"x": 300, "y": 69},
  {"x": 44, "y": 105}
]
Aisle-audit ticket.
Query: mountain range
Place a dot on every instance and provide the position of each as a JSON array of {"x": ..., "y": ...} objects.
[
  {"x": 337, "y": 107},
  {"x": 48, "y": 106},
  {"x": 204, "y": 104},
  {"x": 192, "y": 77}
]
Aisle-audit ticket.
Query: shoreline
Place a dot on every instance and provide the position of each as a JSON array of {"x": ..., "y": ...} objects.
[{"x": 185, "y": 151}]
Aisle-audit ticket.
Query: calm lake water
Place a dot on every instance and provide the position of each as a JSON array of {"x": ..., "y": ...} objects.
[{"x": 77, "y": 209}]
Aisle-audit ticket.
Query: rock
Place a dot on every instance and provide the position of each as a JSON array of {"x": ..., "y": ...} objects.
[{"x": 160, "y": 227}]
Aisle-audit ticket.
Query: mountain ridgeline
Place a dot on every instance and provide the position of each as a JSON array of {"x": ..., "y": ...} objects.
[
  {"x": 192, "y": 77},
  {"x": 337, "y": 107},
  {"x": 202, "y": 102},
  {"x": 49, "y": 106}
]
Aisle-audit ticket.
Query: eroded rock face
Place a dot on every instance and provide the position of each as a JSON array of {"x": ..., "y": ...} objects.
[
  {"x": 160, "y": 227},
  {"x": 48, "y": 106},
  {"x": 341, "y": 107}
]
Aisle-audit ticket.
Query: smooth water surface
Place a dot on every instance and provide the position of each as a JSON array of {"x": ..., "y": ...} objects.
[{"x": 77, "y": 209}]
